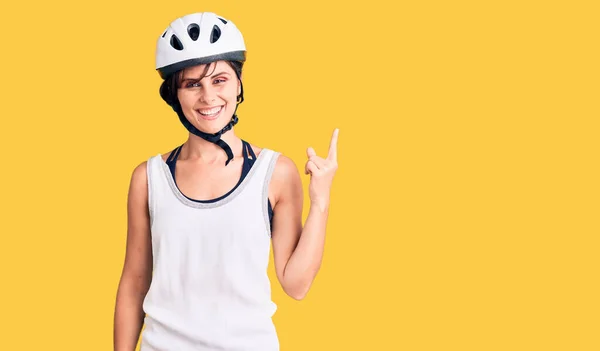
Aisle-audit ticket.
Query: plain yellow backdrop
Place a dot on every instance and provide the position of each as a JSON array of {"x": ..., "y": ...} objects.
[{"x": 465, "y": 211}]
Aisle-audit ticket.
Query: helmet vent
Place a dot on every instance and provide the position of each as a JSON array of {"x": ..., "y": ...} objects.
[
  {"x": 216, "y": 33},
  {"x": 222, "y": 20},
  {"x": 164, "y": 34},
  {"x": 193, "y": 31},
  {"x": 175, "y": 43}
]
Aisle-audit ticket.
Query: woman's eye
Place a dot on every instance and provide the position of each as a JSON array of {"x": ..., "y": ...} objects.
[
  {"x": 219, "y": 81},
  {"x": 192, "y": 85}
]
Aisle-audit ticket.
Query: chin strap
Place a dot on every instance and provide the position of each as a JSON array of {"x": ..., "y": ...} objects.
[{"x": 213, "y": 138}]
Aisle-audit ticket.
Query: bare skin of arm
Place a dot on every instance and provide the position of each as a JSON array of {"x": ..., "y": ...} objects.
[
  {"x": 137, "y": 269},
  {"x": 297, "y": 249}
]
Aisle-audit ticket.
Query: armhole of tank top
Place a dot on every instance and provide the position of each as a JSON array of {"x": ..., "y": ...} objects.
[
  {"x": 150, "y": 181},
  {"x": 265, "y": 191}
]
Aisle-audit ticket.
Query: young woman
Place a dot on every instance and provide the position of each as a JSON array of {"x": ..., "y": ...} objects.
[{"x": 202, "y": 217}]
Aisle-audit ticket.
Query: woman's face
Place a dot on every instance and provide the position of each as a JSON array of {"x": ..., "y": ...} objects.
[{"x": 209, "y": 103}]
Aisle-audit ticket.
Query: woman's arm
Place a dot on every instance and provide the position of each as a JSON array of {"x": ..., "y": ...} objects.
[
  {"x": 298, "y": 250},
  {"x": 137, "y": 268}
]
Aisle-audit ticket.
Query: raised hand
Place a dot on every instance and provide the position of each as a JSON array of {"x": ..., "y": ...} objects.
[{"x": 322, "y": 171}]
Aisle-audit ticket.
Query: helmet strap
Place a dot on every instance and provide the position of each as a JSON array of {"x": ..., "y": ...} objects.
[{"x": 213, "y": 138}]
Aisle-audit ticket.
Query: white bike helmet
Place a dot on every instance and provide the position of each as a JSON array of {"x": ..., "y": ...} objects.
[{"x": 197, "y": 39}]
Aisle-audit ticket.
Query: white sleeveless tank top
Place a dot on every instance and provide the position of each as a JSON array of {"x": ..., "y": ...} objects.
[{"x": 210, "y": 289}]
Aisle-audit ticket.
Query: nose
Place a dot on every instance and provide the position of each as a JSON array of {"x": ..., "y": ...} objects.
[{"x": 207, "y": 95}]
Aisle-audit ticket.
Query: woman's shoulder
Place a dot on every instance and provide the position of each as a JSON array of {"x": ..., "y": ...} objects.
[
  {"x": 140, "y": 170},
  {"x": 285, "y": 179}
]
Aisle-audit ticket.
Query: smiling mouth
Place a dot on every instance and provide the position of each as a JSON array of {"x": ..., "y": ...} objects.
[{"x": 210, "y": 113}]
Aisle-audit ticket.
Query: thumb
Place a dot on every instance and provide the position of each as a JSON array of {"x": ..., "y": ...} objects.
[{"x": 310, "y": 152}]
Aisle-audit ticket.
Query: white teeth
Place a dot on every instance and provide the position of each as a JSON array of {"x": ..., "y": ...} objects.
[{"x": 211, "y": 112}]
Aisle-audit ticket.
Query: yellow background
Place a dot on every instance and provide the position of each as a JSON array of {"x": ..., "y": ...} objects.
[{"x": 464, "y": 212}]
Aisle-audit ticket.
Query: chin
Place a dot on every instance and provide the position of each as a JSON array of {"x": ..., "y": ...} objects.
[{"x": 212, "y": 127}]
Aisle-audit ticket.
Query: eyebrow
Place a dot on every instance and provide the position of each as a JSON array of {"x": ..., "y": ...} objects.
[{"x": 214, "y": 75}]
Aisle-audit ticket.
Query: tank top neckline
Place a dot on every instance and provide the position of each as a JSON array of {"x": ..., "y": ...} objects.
[
  {"x": 228, "y": 197},
  {"x": 246, "y": 150}
]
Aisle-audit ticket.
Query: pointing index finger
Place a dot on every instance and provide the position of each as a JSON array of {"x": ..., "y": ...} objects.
[{"x": 333, "y": 146}]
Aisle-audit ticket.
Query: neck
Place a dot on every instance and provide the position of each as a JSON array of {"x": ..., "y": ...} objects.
[{"x": 196, "y": 148}]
